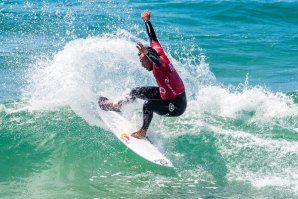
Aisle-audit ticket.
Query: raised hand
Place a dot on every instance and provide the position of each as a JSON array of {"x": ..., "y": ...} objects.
[
  {"x": 145, "y": 15},
  {"x": 142, "y": 49}
]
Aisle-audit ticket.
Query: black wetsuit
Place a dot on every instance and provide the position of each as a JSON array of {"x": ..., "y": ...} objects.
[{"x": 153, "y": 101}]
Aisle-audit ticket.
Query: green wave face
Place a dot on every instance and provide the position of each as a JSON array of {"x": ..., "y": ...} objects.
[{"x": 237, "y": 139}]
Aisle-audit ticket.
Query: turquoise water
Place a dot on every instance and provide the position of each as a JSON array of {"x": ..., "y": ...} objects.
[{"x": 237, "y": 139}]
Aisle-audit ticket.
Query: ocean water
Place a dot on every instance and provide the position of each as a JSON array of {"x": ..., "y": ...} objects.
[{"x": 237, "y": 139}]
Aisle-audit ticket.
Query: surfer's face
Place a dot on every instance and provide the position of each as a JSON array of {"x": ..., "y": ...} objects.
[{"x": 146, "y": 63}]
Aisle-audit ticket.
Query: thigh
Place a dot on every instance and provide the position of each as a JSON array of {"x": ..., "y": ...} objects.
[
  {"x": 146, "y": 93},
  {"x": 172, "y": 108},
  {"x": 160, "y": 107}
]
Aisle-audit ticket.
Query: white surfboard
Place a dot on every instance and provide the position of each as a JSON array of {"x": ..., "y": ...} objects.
[{"x": 122, "y": 128}]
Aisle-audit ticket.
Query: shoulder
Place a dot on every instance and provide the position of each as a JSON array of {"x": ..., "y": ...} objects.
[{"x": 157, "y": 47}]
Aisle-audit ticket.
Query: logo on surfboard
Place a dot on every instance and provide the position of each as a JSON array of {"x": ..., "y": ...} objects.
[
  {"x": 162, "y": 162},
  {"x": 125, "y": 137}
]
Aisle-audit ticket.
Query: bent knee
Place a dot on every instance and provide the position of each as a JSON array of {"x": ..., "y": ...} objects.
[{"x": 147, "y": 105}]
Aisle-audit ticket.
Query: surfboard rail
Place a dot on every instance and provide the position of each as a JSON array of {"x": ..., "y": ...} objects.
[{"x": 121, "y": 128}]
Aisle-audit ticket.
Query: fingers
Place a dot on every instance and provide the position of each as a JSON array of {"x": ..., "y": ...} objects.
[
  {"x": 138, "y": 47},
  {"x": 140, "y": 44},
  {"x": 141, "y": 47},
  {"x": 145, "y": 15},
  {"x": 146, "y": 12}
]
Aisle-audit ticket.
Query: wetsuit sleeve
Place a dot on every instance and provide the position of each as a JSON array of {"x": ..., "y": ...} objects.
[
  {"x": 154, "y": 57},
  {"x": 150, "y": 32},
  {"x": 157, "y": 56}
]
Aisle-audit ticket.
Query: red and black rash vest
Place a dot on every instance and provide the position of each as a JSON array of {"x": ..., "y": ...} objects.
[{"x": 169, "y": 82}]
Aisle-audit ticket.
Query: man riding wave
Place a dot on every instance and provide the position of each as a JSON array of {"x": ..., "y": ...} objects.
[{"x": 168, "y": 98}]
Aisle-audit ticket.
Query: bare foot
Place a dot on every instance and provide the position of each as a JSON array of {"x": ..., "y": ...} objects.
[
  {"x": 109, "y": 105},
  {"x": 139, "y": 134}
]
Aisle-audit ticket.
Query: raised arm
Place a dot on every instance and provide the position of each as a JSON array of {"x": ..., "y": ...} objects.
[{"x": 150, "y": 31}]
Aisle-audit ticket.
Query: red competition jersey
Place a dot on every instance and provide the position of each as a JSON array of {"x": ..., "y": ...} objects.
[{"x": 169, "y": 83}]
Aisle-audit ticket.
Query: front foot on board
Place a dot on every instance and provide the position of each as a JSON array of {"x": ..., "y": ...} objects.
[{"x": 139, "y": 134}]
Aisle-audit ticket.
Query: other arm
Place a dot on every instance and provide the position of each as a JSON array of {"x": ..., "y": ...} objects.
[
  {"x": 150, "y": 53},
  {"x": 150, "y": 31}
]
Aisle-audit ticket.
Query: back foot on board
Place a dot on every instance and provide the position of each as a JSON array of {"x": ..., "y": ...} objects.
[{"x": 107, "y": 105}]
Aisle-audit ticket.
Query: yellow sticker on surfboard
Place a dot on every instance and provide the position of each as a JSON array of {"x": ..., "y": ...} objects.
[{"x": 125, "y": 137}]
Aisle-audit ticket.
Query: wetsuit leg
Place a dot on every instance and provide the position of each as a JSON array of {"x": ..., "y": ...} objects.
[
  {"x": 154, "y": 103},
  {"x": 144, "y": 93},
  {"x": 172, "y": 108}
]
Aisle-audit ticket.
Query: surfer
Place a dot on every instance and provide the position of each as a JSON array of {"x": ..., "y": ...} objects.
[{"x": 168, "y": 98}]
